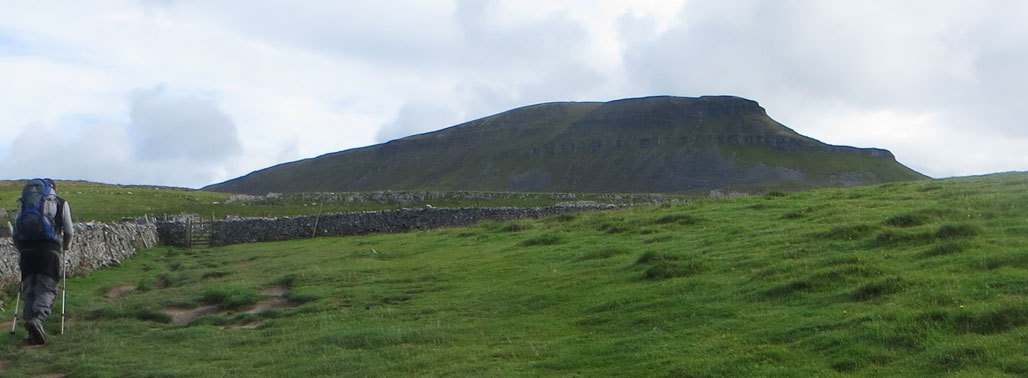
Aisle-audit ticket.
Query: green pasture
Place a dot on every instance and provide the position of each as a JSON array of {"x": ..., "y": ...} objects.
[{"x": 916, "y": 279}]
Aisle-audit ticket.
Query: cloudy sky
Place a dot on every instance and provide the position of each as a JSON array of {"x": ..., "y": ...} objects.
[{"x": 190, "y": 93}]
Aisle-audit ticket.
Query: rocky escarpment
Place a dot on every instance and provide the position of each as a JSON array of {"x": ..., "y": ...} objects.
[{"x": 654, "y": 144}]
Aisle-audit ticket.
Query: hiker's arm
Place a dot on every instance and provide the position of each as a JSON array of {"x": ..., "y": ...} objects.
[{"x": 67, "y": 226}]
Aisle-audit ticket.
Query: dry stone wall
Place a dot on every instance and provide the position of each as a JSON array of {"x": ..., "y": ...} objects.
[
  {"x": 267, "y": 229},
  {"x": 96, "y": 245}
]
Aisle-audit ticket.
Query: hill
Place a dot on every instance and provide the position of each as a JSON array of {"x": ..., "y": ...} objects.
[
  {"x": 909, "y": 279},
  {"x": 643, "y": 145}
]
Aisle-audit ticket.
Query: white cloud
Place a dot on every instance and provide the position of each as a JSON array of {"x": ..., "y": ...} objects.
[
  {"x": 300, "y": 79},
  {"x": 168, "y": 126},
  {"x": 416, "y": 118}
]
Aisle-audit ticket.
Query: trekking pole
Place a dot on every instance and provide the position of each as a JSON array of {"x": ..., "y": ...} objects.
[
  {"x": 64, "y": 292},
  {"x": 14, "y": 323}
]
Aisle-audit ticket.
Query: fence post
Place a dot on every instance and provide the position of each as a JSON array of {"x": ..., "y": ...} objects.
[
  {"x": 189, "y": 233},
  {"x": 314, "y": 232}
]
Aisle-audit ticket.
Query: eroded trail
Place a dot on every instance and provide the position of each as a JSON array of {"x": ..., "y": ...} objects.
[{"x": 271, "y": 298}]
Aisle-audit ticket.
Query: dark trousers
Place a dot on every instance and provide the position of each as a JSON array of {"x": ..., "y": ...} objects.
[{"x": 40, "y": 272}]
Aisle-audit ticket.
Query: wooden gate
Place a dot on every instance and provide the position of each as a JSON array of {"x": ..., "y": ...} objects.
[{"x": 198, "y": 233}]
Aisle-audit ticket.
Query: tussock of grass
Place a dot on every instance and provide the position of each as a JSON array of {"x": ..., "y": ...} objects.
[
  {"x": 845, "y": 366},
  {"x": 166, "y": 280},
  {"x": 301, "y": 297},
  {"x": 215, "y": 274},
  {"x": 651, "y": 257},
  {"x": 615, "y": 228},
  {"x": 682, "y": 219},
  {"x": 285, "y": 281},
  {"x": 786, "y": 289},
  {"x": 153, "y": 316},
  {"x": 513, "y": 227},
  {"x": 662, "y": 266},
  {"x": 659, "y": 239},
  {"x": 562, "y": 218},
  {"x": 603, "y": 253},
  {"x": 1017, "y": 367},
  {"x": 895, "y": 238},
  {"x": 667, "y": 269},
  {"x": 906, "y": 220},
  {"x": 958, "y": 358},
  {"x": 947, "y": 248},
  {"x": 956, "y": 231},
  {"x": 1017, "y": 260},
  {"x": 848, "y": 232},
  {"x": 230, "y": 296},
  {"x": 877, "y": 289},
  {"x": 146, "y": 284},
  {"x": 793, "y": 215},
  {"x": 991, "y": 321},
  {"x": 541, "y": 240}
]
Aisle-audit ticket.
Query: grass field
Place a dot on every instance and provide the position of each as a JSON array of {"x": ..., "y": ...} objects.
[{"x": 913, "y": 279}]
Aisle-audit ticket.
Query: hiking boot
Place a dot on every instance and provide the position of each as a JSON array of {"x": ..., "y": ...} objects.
[{"x": 37, "y": 335}]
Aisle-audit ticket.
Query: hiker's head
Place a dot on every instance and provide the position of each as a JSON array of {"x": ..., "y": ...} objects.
[{"x": 53, "y": 185}]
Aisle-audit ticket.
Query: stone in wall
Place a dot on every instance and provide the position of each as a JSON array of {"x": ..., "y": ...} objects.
[{"x": 96, "y": 245}]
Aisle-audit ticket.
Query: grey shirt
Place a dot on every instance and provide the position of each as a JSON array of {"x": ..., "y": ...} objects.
[{"x": 67, "y": 228}]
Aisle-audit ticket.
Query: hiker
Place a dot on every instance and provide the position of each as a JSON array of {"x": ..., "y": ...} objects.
[{"x": 42, "y": 230}]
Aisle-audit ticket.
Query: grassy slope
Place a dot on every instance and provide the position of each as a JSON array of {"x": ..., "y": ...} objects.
[{"x": 904, "y": 279}]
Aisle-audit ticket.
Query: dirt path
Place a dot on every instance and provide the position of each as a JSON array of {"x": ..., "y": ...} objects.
[
  {"x": 182, "y": 316},
  {"x": 273, "y": 297},
  {"x": 118, "y": 291}
]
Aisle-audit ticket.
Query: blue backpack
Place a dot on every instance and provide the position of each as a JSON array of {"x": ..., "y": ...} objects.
[{"x": 37, "y": 217}]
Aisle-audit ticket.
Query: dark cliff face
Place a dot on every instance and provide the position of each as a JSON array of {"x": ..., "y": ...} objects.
[{"x": 653, "y": 144}]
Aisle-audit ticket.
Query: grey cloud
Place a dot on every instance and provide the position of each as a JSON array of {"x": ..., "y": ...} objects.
[
  {"x": 464, "y": 41},
  {"x": 100, "y": 152},
  {"x": 171, "y": 140},
  {"x": 394, "y": 33},
  {"x": 531, "y": 44},
  {"x": 168, "y": 126},
  {"x": 912, "y": 57},
  {"x": 25, "y": 158}
]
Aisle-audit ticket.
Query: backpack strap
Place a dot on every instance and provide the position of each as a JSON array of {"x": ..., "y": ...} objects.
[{"x": 59, "y": 216}]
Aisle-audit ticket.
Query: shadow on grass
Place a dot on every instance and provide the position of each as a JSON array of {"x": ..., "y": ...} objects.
[
  {"x": 541, "y": 240},
  {"x": 662, "y": 266},
  {"x": 602, "y": 253}
]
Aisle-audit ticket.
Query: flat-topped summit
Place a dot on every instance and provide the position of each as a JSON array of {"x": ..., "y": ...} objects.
[{"x": 651, "y": 144}]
